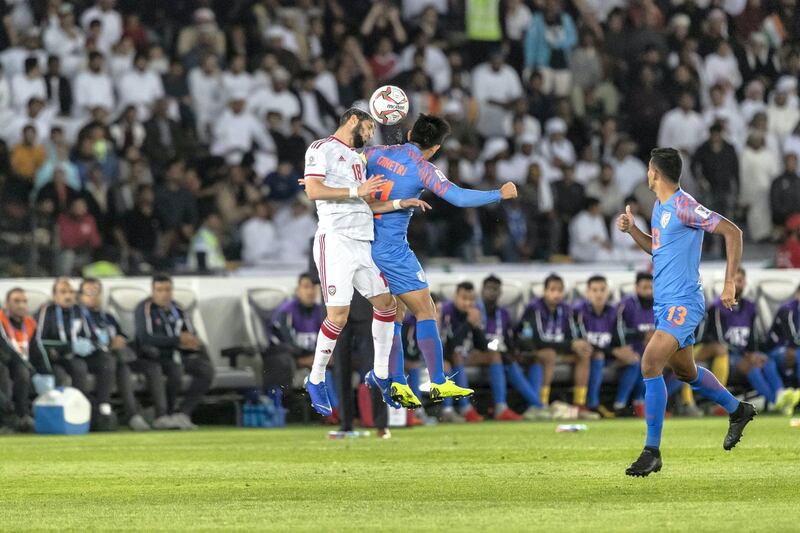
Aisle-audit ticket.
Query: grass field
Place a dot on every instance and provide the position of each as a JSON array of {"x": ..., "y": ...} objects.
[{"x": 491, "y": 477}]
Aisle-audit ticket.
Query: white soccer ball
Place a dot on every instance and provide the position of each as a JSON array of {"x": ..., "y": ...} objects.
[{"x": 388, "y": 105}]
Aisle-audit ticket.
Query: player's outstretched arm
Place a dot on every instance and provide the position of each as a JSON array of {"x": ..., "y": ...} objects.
[
  {"x": 317, "y": 190},
  {"x": 386, "y": 206},
  {"x": 438, "y": 184},
  {"x": 626, "y": 223},
  {"x": 733, "y": 253}
]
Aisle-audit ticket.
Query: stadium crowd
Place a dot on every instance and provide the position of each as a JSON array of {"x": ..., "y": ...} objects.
[
  {"x": 597, "y": 342},
  {"x": 169, "y": 135}
]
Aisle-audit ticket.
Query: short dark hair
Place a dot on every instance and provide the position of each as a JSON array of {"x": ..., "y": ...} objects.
[
  {"x": 88, "y": 281},
  {"x": 94, "y": 54},
  {"x": 12, "y": 291},
  {"x": 741, "y": 271},
  {"x": 354, "y": 111},
  {"x": 553, "y": 278},
  {"x": 668, "y": 162},
  {"x": 465, "y": 286},
  {"x": 161, "y": 278},
  {"x": 31, "y": 63},
  {"x": 597, "y": 278},
  {"x": 59, "y": 280},
  {"x": 429, "y": 130},
  {"x": 308, "y": 276},
  {"x": 491, "y": 278},
  {"x": 643, "y": 276},
  {"x": 591, "y": 202}
]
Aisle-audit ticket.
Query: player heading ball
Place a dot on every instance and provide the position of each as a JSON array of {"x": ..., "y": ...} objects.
[{"x": 408, "y": 172}]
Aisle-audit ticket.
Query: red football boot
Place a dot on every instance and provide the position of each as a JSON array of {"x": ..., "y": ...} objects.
[
  {"x": 473, "y": 416},
  {"x": 508, "y": 416}
]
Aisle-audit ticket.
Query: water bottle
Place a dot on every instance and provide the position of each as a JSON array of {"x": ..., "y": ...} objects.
[
  {"x": 337, "y": 435},
  {"x": 571, "y": 428},
  {"x": 246, "y": 422}
]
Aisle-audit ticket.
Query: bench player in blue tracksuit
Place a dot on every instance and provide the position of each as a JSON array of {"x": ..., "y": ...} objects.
[
  {"x": 675, "y": 243},
  {"x": 407, "y": 173}
]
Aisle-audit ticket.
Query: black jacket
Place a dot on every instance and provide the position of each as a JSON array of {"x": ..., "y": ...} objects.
[
  {"x": 158, "y": 330},
  {"x": 64, "y": 95},
  {"x": 56, "y": 328}
]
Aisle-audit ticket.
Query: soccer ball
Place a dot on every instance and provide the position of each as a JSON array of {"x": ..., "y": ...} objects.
[{"x": 388, "y": 105}]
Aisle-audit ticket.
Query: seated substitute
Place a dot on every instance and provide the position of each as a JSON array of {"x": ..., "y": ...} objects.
[
  {"x": 465, "y": 344},
  {"x": 547, "y": 332},
  {"x": 781, "y": 346},
  {"x": 106, "y": 337},
  {"x": 18, "y": 363},
  {"x": 58, "y": 328},
  {"x": 164, "y": 333},
  {"x": 599, "y": 323},
  {"x": 499, "y": 330},
  {"x": 293, "y": 333},
  {"x": 638, "y": 325},
  {"x": 730, "y": 334}
]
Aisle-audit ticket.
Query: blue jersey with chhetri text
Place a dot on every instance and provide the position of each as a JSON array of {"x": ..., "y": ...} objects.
[
  {"x": 677, "y": 229},
  {"x": 407, "y": 175}
]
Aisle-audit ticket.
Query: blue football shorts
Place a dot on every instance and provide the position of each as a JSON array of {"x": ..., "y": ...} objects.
[
  {"x": 680, "y": 320},
  {"x": 400, "y": 267}
]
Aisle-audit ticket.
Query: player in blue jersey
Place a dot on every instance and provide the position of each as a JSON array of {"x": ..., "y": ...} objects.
[
  {"x": 678, "y": 224},
  {"x": 407, "y": 173}
]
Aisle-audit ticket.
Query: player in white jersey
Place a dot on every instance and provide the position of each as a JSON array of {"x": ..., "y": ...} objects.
[{"x": 335, "y": 178}]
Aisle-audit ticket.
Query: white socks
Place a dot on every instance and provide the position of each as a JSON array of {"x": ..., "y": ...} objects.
[
  {"x": 382, "y": 334},
  {"x": 326, "y": 342}
]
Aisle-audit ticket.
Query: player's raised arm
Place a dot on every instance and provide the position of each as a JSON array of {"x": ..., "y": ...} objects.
[
  {"x": 733, "y": 254},
  {"x": 435, "y": 181},
  {"x": 627, "y": 224}
]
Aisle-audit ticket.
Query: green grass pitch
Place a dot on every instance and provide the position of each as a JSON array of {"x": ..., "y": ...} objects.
[{"x": 487, "y": 477}]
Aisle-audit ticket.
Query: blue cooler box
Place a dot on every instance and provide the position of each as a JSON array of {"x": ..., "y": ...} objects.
[{"x": 62, "y": 411}]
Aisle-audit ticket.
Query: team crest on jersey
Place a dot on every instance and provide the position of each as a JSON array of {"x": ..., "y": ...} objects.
[
  {"x": 421, "y": 275},
  {"x": 310, "y": 160},
  {"x": 331, "y": 289},
  {"x": 665, "y": 219},
  {"x": 702, "y": 212}
]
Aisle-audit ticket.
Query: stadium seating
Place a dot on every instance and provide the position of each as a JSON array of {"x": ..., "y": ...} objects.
[{"x": 228, "y": 312}]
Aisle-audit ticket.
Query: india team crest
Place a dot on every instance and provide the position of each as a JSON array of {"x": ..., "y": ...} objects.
[{"x": 665, "y": 219}]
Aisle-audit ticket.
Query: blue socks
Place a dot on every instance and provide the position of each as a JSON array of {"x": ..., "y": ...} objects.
[
  {"x": 756, "y": 379},
  {"x": 707, "y": 384},
  {"x": 460, "y": 379},
  {"x": 397, "y": 362},
  {"x": 518, "y": 381},
  {"x": 430, "y": 344},
  {"x": 413, "y": 381},
  {"x": 674, "y": 385},
  {"x": 331, "y": 386},
  {"x": 595, "y": 381},
  {"x": 627, "y": 380},
  {"x": 497, "y": 382},
  {"x": 536, "y": 377},
  {"x": 655, "y": 407},
  {"x": 638, "y": 389},
  {"x": 772, "y": 374}
]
